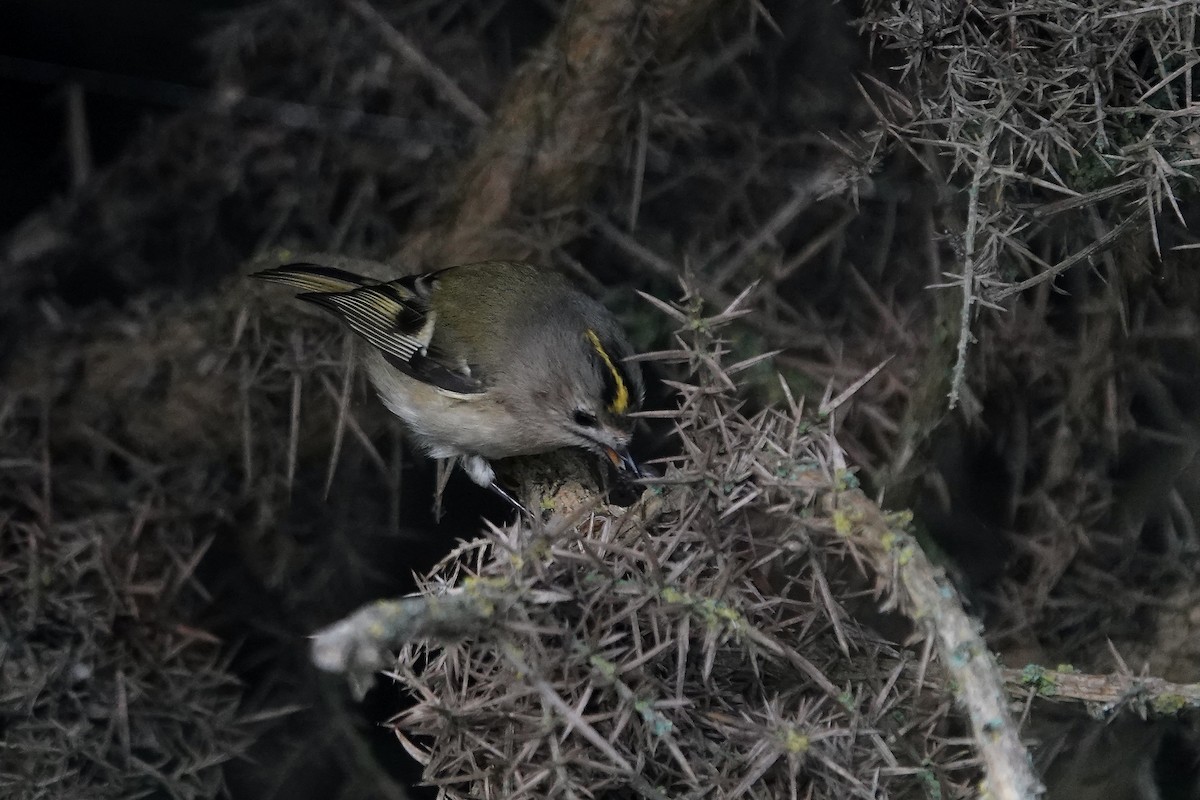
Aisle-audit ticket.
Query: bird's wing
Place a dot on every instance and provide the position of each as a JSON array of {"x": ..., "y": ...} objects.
[{"x": 394, "y": 317}]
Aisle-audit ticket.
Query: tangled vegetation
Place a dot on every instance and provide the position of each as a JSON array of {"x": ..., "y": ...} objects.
[{"x": 961, "y": 234}]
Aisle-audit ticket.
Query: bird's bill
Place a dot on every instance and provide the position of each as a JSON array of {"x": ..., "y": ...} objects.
[{"x": 623, "y": 461}]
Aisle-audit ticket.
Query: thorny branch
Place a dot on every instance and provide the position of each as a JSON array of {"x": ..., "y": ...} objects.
[
  {"x": 931, "y": 601},
  {"x": 895, "y": 556},
  {"x": 968, "y": 280},
  {"x": 1069, "y": 137},
  {"x": 1103, "y": 694}
]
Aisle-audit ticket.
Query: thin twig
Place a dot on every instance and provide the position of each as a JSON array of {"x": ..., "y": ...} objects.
[
  {"x": 1108, "y": 240},
  {"x": 826, "y": 181},
  {"x": 79, "y": 147},
  {"x": 959, "y": 374},
  {"x": 446, "y": 87}
]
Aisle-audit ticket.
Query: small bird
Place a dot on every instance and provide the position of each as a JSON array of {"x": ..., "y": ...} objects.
[{"x": 487, "y": 360}]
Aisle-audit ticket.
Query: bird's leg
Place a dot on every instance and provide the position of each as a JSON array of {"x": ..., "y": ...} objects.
[
  {"x": 478, "y": 470},
  {"x": 481, "y": 472}
]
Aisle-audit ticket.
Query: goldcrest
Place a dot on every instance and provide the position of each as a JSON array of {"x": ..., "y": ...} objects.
[{"x": 487, "y": 360}]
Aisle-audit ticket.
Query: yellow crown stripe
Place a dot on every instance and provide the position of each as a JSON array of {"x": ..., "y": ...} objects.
[{"x": 620, "y": 401}]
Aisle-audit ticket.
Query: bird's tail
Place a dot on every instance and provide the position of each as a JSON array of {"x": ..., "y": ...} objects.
[{"x": 313, "y": 278}]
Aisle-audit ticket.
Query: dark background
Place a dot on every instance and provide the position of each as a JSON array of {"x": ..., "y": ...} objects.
[{"x": 135, "y": 59}]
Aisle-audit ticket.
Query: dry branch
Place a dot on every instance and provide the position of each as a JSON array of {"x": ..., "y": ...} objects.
[
  {"x": 553, "y": 130},
  {"x": 1103, "y": 694},
  {"x": 1021, "y": 125},
  {"x": 932, "y": 602},
  {"x": 361, "y": 645},
  {"x": 446, "y": 87}
]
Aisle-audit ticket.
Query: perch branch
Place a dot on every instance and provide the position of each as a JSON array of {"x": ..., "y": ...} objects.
[{"x": 933, "y": 603}]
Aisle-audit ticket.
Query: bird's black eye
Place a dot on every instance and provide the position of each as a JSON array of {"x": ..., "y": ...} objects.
[{"x": 584, "y": 419}]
